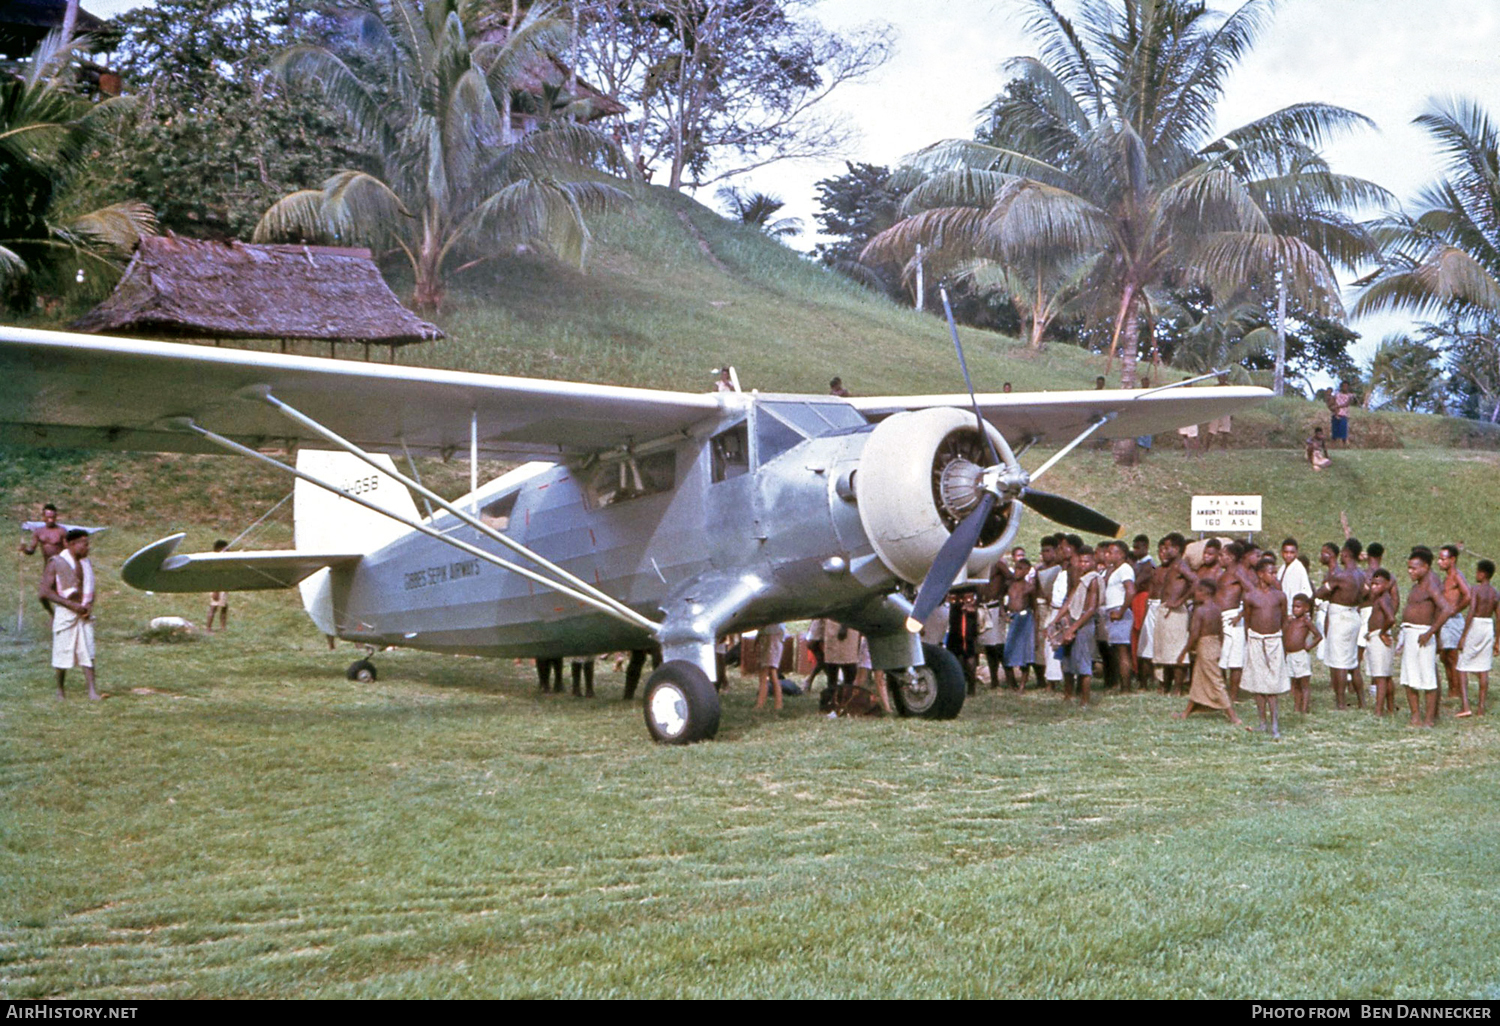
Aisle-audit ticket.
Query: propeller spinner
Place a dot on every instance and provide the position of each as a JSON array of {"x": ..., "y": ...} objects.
[{"x": 967, "y": 489}]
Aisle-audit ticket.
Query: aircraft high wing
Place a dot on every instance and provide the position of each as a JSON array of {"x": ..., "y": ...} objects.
[
  {"x": 645, "y": 518},
  {"x": 63, "y": 390}
]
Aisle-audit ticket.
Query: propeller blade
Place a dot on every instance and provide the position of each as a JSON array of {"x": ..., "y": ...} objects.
[
  {"x": 1071, "y": 514},
  {"x": 950, "y": 559},
  {"x": 963, "y": 365}
]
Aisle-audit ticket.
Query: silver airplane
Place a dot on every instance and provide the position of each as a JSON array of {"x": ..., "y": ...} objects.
[{"x": 642, "y": 519}]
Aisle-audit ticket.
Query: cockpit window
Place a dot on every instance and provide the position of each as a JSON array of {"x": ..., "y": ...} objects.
[
  {"x": 497, "y": 513},
  {"x": 621, "y": 481},
  {"x": 731, "y": 453},
  {"x": 814, "y": 419},
  {"x": 773, "y": 437}
]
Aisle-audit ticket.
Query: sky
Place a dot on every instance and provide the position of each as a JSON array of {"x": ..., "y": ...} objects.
[{"x": 1382, "y": 58}]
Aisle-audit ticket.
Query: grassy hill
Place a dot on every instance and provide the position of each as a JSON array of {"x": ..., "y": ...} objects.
[{"x": 240, "y": 820}]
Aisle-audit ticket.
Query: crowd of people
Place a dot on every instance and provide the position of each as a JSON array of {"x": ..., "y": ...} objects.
[{"x": 1216, "y": 618}]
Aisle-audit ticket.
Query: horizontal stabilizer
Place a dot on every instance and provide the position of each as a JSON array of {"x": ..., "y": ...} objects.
[{"x": 156, "y": 568}]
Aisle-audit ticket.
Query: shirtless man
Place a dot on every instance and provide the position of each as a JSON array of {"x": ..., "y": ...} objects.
[
  {"x": 1231, "y": 605},
  {"x": 1343, "y": 589},
  {"x": 50, "y": 538},
  {"x": 1328, "y": 559},
  {"x": 1374, "y": 556},
  {"x": 1265, "y": 657},
  {"x": 1427, "y": 609},
  {"x": 1479, "y": 644},
  {"x": 1148, "y": 590},
  {"x": 1173, "y": 628},
  {"x": 1205, "y": 637},
  {"x": 1299, "y": 636},
  {"x": 1380, "y": 646},
  {"x": 1020, "y": 639},
  {"x": 1456, "y": 591}
]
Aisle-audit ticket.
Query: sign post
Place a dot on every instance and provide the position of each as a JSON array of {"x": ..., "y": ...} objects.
[{"x": 1226, "y": 514}]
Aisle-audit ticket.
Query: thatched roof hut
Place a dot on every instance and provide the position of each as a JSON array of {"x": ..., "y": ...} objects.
[{"x": 214, "y": 290}]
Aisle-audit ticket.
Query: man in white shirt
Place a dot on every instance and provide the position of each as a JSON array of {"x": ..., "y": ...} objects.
[
  {"x": 1292, "y": 574},
  {"x": 1119, "y": 618}
]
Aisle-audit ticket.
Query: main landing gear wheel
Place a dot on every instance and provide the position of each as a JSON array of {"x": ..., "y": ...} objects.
[
  {"x": 681, "y": 704},
  {"x": 938, "y": 691},
  {"x": 361, "y": 670}
]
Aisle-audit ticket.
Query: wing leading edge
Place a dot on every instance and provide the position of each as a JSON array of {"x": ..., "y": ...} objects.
[
  {"x": 62, "y": 390},
  {"x": 1057, "y": 416}
]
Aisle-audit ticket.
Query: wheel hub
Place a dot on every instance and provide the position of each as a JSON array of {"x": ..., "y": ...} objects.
[{"x": 669, "y": 710}]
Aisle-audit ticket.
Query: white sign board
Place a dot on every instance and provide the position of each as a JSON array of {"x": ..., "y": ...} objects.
[{"x": 1229, "y": 514}]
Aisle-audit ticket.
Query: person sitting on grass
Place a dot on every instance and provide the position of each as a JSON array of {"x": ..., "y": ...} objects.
[
  {"x": 1206, "y": 641},
  {"x": 1317, "y": 450},
  {"x": 1299, "y": 636}
]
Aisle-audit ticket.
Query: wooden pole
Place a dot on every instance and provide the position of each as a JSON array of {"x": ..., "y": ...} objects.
[{"x": 921, "y": 283}]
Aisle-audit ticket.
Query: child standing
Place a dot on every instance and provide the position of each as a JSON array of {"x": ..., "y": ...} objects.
[{"x": 1299, "y": 637}]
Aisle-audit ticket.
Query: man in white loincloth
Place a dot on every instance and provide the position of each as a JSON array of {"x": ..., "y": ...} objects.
[
  {"x": 68, "y": 584},
  {"x": 1265, "y": 675},
  {"x": 1478, "y": 650},
  {"x": 1343, "y": 589},
  {"x": 1426, "y": 611}
]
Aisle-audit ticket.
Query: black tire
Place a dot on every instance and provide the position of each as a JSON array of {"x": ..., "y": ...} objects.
[
  {"x": 940, "y": 690},
  {"x": 361, "y": 670},
  {"x": 682, "y": 706}
]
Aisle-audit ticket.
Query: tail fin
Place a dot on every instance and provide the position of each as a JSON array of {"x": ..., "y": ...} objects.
[{"x": 324, "y": 522}]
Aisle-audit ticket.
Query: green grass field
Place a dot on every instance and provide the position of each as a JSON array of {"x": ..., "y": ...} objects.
[{"x": 236, "y": 819}]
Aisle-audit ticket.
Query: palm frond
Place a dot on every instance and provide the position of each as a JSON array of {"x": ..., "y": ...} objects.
[
  {"x": 350, "y": 207},
  {"x": 1229, "y": 261},
  {"x": 964, "y": 188},
  {"x": 317, "y": 68},
  {"x": 118, "y": 227}
]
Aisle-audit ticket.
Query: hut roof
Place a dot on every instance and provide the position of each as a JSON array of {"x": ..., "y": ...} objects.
[
  {"x": 24, "y": 23},
  {"x": 178, "y": 286}
]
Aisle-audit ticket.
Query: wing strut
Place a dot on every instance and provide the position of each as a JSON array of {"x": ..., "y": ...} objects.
[
  {"x": 611, "y": 607},
  {"x": 576, "y": 583}
]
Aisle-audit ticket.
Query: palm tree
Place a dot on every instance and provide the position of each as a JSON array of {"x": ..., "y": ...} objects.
[
  {"x": 1445, "y": 260},
  {"x": 1106, "y": 148},
  {"x": 46, "y": 133},
  {"x": 1407, "y": 374},
  {"x": 445, "y": 178},
  {"x": 757, "y": 210}
]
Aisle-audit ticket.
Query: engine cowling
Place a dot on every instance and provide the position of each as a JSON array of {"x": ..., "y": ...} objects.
[{"x": 918, "y": 477}]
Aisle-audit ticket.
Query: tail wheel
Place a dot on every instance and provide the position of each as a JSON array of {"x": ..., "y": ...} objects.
[
  {"x": 682, "y": 706},
  {"x": 936, "y": 690},
  {"x": 361, "y": 670}
]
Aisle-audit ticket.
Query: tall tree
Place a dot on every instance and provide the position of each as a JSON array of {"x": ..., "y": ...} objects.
[
  {"x": 48, "y": 136},
  {"x": 1444, "y": 260},
  {"x": 718, "y": 88},
  {"x": 206, "y": 143},
  {"x": 444, "y": 183},
  {"x": 1107, "y": 147}
]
